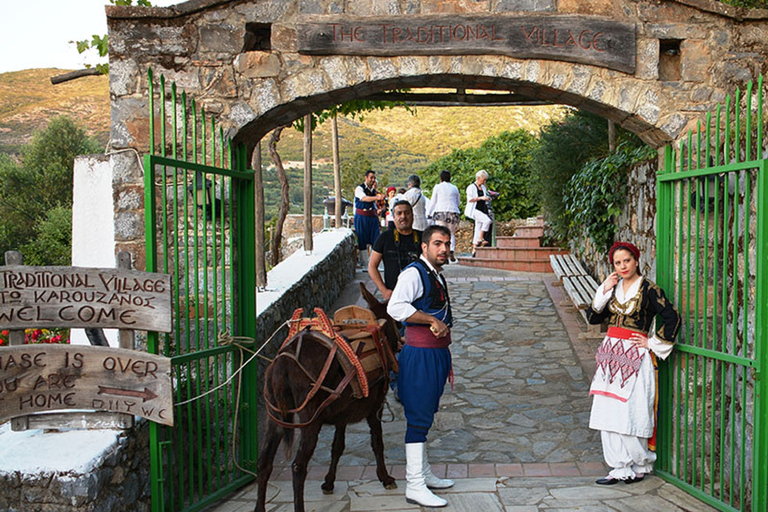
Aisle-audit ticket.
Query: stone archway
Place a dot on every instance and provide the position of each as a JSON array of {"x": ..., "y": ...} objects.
[{"x": 254, "y": 64}]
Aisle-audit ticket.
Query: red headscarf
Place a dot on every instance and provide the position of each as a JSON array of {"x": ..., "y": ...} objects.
[{"x": 624, "y": 245}]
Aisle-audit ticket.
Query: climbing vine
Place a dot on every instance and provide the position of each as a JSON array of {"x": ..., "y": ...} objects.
[{"x": 596, "y": 194}]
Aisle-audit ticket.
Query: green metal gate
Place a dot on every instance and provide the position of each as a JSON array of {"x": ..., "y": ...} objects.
[
  {"x": 711, "y": 258},
  {"x": 199, "y": 207}
]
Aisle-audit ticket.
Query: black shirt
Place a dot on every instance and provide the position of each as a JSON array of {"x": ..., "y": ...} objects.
[
  {"x": 481, "y": 205},
  {"x": 397, "y": 252}
]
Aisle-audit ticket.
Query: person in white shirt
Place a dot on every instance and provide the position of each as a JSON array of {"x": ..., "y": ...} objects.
[
  {"x": 414, "y": 196},
  {"x": 477, "y": 208},
  {"x": 445, "y": 207},
  {"x": 420, "y": 300}
]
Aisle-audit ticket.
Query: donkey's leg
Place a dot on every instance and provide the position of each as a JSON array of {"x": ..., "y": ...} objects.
[
  {"x": 265, "y": 463},
  {"x": 336, "y": 450},
  {"x": 377, "y": 443},
  {"x": 306, "y": 448}
]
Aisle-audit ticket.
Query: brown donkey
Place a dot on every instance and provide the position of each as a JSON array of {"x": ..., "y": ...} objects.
[{"x": 296, "y": 400}]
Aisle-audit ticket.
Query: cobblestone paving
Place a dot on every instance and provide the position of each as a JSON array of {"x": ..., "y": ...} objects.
[
  {"x": 519, "y": 393},
  {"x": 512, "y": 433}
]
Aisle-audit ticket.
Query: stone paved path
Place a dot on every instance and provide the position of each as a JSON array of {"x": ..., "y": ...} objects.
[{"x": 513, "y": 431}]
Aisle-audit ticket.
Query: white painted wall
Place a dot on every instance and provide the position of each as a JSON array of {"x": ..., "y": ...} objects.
[{"x": 93, "y": 224}]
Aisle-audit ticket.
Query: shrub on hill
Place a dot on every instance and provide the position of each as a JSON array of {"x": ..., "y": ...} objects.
[{"x": 36, "y": 194}]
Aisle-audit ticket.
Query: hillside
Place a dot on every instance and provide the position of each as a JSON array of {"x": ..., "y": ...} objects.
[
  {"x": 28, "y": 101},
  {"x": 394, "y": 139}
]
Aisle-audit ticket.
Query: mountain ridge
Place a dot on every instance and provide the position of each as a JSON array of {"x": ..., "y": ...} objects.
[{"x": 396, "y": 141}]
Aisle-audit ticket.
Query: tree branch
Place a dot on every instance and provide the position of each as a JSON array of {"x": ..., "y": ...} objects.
[{"x": 74, "y": 75}]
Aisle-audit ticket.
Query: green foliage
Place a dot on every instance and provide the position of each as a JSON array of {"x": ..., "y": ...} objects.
[
  {"x": 352, "y": 174},
  {"x": 101, "y": 43},
  {"x": 52, "y": 241},
  {"x": 353, "y": 109},
  {"x": 37, "y": 192},
  {"x": 506, "y": 157},
  {"x": 596, "y": 194},
  {"x": 566, "y": 145}
]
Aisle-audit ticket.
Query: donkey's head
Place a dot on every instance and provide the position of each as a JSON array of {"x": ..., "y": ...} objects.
[{"x": 380, "y": 310}]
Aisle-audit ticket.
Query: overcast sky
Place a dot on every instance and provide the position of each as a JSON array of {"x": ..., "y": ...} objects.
[{"x": 36, "y": 33}]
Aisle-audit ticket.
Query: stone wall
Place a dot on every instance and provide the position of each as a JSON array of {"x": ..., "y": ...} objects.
[
  {"x": 636, "y": 224},
  {"x": 319, "y": 287},
  {"x": 118, "y": 482}
]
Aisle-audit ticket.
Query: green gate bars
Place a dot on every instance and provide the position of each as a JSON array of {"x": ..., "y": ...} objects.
[
  {"x": 199, "y": 204},
  {"x": 711, "y": 259}
]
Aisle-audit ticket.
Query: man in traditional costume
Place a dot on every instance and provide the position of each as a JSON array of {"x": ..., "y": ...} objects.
[
  {"x": 420, "y": 299},
  {"x": 624, "y": 386},
  {"x": 366, "y": 218}
]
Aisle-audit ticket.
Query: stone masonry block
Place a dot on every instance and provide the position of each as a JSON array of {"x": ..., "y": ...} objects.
[
  {"x": 283, "y": 38},
  {"x": 123, "y": 76},
  {"x": 382, "y": 68},
  {"x": 647, "y": 59},
  {"x": 512, "y": 70},
  {"x": 412, "y": 66},
  {"x": 258, "y": 64},
  {"x": 264, "y": 95},
  {"x": 130, "y": 197},
  {"x": 526, "y": 6},
  {"x": 219, "y": 81},
  {"x": 648, "y": 109},
  {"x": 581, "y": 77},
  {"x": 385, "y": 7},
  {"x": 696, "y": 62},
  {"x": 311, "y": 7},
  {"x": 335, "y": 69},
  {"x": 129, "y": 225},
  {"x": 224, "y": 38}
]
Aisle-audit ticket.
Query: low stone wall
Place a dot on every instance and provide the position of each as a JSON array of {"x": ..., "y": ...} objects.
[
  {"x": 117, "y": 481},
  {"x": 289, "y": 286}
]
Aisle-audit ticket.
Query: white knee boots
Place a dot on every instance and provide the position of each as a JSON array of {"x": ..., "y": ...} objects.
[
  {"x": 416, "y": 490},
  {"x": 431, "y": 480}
]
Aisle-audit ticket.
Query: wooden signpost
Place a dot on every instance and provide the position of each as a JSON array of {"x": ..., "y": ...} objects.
[
  {"x": 121, "y": 383},
  {"x": 44, "y": 378},
  {"x": 583, "y": 39}
]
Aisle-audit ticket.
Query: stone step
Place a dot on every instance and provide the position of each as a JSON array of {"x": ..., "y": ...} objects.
[
  {"x": 535, "y": 231},
  {"x": 507, "y": 242},
  {"x": 519, "y": 254},
  {"x": 522, "y": 266}
]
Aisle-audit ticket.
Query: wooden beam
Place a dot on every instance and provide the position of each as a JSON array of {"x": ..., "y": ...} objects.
[
  {"x": 336, "y": 171},
  {"x": 457, "y": 99},
  {"x": 308, "y": 183}
]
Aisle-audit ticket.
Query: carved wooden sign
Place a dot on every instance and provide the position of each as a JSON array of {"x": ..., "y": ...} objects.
[
  {"x": 45, "y": 378},
  {"x": 583, "y": 39},
  {"x": 84, "y": 297}
]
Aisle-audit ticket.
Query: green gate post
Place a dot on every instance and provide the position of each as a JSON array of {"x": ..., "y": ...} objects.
[
  {"x": 246, "y": 254},
  {"x": 664, "y": 278},
  {"x": 760, "y": 484}
]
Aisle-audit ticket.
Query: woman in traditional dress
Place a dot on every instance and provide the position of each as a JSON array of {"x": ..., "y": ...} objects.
[{"x": 624, "y": 386}]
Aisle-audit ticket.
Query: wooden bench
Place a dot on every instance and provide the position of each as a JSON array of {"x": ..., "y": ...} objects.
[{"x": 578, "y": 284}]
